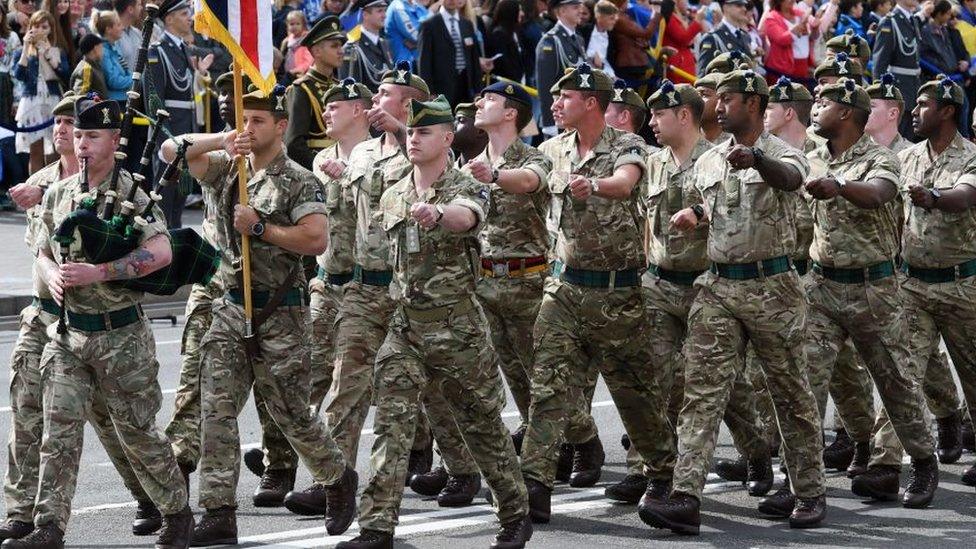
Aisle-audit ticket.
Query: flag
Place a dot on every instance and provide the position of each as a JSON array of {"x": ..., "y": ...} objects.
[{"x": 244, "y": 28}]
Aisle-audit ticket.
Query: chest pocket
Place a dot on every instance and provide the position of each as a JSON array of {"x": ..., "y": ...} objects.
[
  {"x": 271, "y": 204},
  {"x": 657, "y": 208}
]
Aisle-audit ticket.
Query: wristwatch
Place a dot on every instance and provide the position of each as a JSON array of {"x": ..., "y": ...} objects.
[
  {"x": 757, "y": 156},
  {"x": 594, "y": 185},
  {"x": 440, "y": 213},
  {"x": 494, "y": 175},
  {"x": 841, "y": 182},
  {"x": 257, "y": 229},
  {"x": 698, "y": 211},
  {"x": 936, "y": 195}
]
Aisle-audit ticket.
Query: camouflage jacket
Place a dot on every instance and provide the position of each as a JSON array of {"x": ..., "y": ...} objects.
[
  {"x": 339, "y": 206},
  {"x": 844, "y": 235},
  {"x": 802, "y": 215},
  {"x": 44, "y": 178},
  {"x": 933, "y": 238}
]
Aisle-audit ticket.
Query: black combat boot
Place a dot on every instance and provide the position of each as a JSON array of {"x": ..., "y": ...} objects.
[
  {"x": 340, "y": 507},
  {"x": 513, "y": 534},
  {"x": 950, "y": 438},
  {"x": 680, "y": 513},
  {"x": 420, "y": 462},
  {"x": 368, "y": 539},
  {"x": 176, "y": 531},
  {"x": 46, "y": 536},
  {"x": 809, "y": 512},
  {"x": 430, "y": 483},
  {"x": 459, "y": 490},
  {"x": 923, "y": 479},
  {"x": 657, "y": 490},
  {"x": 733, "y": 470},
  {"x": 564, "y": 464},
  {"x": 254, "y": 461},
  {"x": 588, "y": 460},
  {"x": 839, "y": 453},
  {"x": 15, "y": 529},
  {"x": 780, "y": 504},
  {"x": 628, "y": 490},
  {"x": 540, "y": 501},
  {"x": 216, "y": 527},
  {"x": 275, "y": 485},
  {"x": 862, "y": 456},
  {"x": 878, "y": 482},
  {"x": 760, "y": 476},
  {"x": 309, "y": 502},
  {"x": 147, "y": 520}
]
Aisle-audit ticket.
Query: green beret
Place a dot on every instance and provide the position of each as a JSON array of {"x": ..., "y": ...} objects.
[
  {"x": 670, "y": 95},
  {"x": 886, "y": 89},
  {"x": 326, "y": 28},
  {"x": 944, "y": 90},
  {"x": 585, "y": 78},
  {"x": 710, "y": 80},
  {"x": 744, "y": 81},
  {"x": 846, "y": 92},
  {"x": 851, "y": 44},
  {"x": 626, "y": 96},
  {"x": 65, "y": 107},
  {"x": 728, "y": 62},
  {"x": 402, "y": 76},
  {"x": 274, "y": 103},
  {"x": 347, "y": 90},
  {"x": 465, "y": 109},
  {"x": 225, "y": 83},
  {"x": 786, "y": 90},
  {"x": 838, "y": 65},
  {"x": 94, "y": 113},
  {"x": 429, "y": 113}
]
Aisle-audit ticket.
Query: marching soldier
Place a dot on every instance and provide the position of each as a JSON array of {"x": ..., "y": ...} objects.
[
  {"x": 437, "y": 334},
  {"x": 897, "y": 50},
  {"x": 627, "y": 111},
  {"x": 285, "y": 219},
  {"x": 367, "y": 59},
  {"x": 306, "y": 134},
  {"x": 854, "y": 47},
  {"x": 561, "y": 47},
  {"x": 887, "y": 109},
  {"x": 729, "y": 36}
]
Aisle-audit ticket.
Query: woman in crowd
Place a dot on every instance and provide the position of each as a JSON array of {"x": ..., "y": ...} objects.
[
  {"x": 9, "y": 44},
  {"x": 683, "y": 27},
  {"x": 629, "y": 42},
  {"x": 851, "y": 12},
  {"x": 505, "y": 39},
  {"x": 786, "y": 31},
  {"x": 61, "y": 10},
  {"x": 118, "y": 79}
]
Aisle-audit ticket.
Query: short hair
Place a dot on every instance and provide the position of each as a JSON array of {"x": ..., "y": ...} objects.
[
  {"x": 941, "y": 7},
  {"x": 696, "y": 106},
  {"x": 523, "y": 112},
  {"x": 860, "y": 116},
  {"x": 602, "y": 97},
  {"x": 121, "y": 5},
  {"x": 605, "y": 7},
  {"x": 846, "y": 6},
  {"x": 802, "y": 110},
  {"x": 875, "y": 4},
  {"x": 296, "y": 14}
]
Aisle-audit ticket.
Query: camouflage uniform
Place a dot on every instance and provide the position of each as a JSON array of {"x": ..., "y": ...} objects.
[
  {"x": 437, "y": 337},
  {"x": 590, "y": 317},
  {"x": 750, "y": 228},
  {"x": 93, "y": 360},
  {"x": 282, "y": 193},
  {"x": 853, "y": 292}
]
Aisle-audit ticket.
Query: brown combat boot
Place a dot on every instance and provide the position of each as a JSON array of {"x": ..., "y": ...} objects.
[
  {"x": 459, "y": 490},
  {"x": 216, "y": 527},
  {"x": 839, "y": 453},
  {"x": 681, "y": 513},
  {"x": 588, "y": 459},
  {"x": 176, "y": 531},
  {"x": 879, "y": 482},
  {"x": 147, "y": 520},
  {"x": 780, "y": 504},
  {"x": 15, "y": 529},
  {"x": 309, "y": 502},
  {"x": 46, "y": 536},
  {"x": 340, "y": 506},
  {"x": 809, "y": 512},
  {"x": 430, "y": 483},
  {"x": 513, "y": 534},
  {"x": 922, "y": 482},
  {"x": 628, "y": 490},
  {"x": 368, "y": 539},
  {"x": 275, "y": 485},
  {"x": 950, "y": 438}
]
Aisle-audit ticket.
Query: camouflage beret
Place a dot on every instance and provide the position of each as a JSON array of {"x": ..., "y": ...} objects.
[
  {"x": 851, "y": 44},
  {"x": 838, "y": 65},
  {"x": 326, "y": 28},
  {"x": 670, "y": 95},
  {"x": 728, "y": 62},
  {"x": 274, "y": 103},
  {"x": 225, "y": 83},
  {"x": 428, "y": 113},
  {"x": 846, "y": 92},
  {"x": 65, "y": 107},
  {"x": 626, "y": 96},
  {"x": 710, "y": 80},
  {"x": 885, "y": 89},
  {"x": 347, "y": 90},
  {"x": 944, "y": 90},
  {"x": 744, "y": 81},
  {"x": 585, "y": 78},
  {"x": 94, "y": 113},
  {"x": 785, "y": 90},
  {"x": 401, "y": 76},
  {"x": 465, "y": 109}
]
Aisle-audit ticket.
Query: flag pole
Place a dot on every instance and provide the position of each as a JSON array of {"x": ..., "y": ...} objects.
[{"x": 242, "y": 198}]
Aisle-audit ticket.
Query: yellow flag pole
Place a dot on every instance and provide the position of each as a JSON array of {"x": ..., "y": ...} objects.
[{"x": 242, "y": 198}]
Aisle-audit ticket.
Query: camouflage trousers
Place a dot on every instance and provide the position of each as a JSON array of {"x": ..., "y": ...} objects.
[
  {"x": 770, "y": 313},
  {"x": 452, "y": 353},
  {"x": 852, "y": 390},
  {"x": 872, "y": 315},
  {"x": 946, "y": 309},
  {"x": 579, "y": 327},
  {"x": 183, "y": 430},
  {"x": 118, "y": 366},
  {"x": 939, "y": 386},
  {"x": 280, "y": 377},
  {"x": 324, "y": 308},
  {"x": 27, "y": 421}
]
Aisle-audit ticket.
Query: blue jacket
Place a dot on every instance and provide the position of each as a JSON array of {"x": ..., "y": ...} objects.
[
  {"x": 845, "y": 22},
  {"x": 117, "y": 80},
  {"x": 402, "y": 28},
  {"x": 28, "y": 75}
]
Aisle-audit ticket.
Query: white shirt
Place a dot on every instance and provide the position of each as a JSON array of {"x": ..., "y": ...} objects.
[
  {"x": 374, "y": 38},
  {"x": 599, "y": 42}
]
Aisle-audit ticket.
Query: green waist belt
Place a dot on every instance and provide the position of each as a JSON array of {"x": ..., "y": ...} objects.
[
  {"x": 47, "y": 305},
  {"x": 938, "y": 276},
  {"x": 597, "y": 279},
  {"x": 335, "y": 279},
  {"x": 748, "y": 271},
  {"x": 802, "y": 266},
  {"x": 682, "y": 278},
  {"x": 260, "y": 298},
  {"x": 103, "y": 322},
  {"x": 372, "y": 278},
  {"x": 856, "y": 276}
]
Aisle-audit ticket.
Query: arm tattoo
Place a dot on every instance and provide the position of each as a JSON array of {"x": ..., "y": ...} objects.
[{"x": 131, "y": 266}]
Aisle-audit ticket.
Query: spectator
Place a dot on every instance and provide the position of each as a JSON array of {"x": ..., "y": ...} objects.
[
  {"x": 20, "y": 14},
  {"x": 79, "y": 12},
  {"x": 60, "y": 9},
  {"x": 449, "y": 54},
  {"x": 630, "y": 42},
  {"x": 850, "y": 18},
  {"x": 506, "y": 40},
  {"x": 118, "y": 78},
  {"x": 130, "y": 14},
  {"x": 279, "y": 18},
  {"x": 786, "y": 30},
  {"x": 403, "y": 19},
  {"x": 936, "y": 51},
  {"x": 87, "y": 76},
  {"x": 606, "y": 14},
  {"x": 713, "y": 14},
  {"x": 965, "y": 23},
  {"x": 683, "y": 27},
  {"x": 878, "y": 9},
  {"x": 297, "y": 58},
  {"x": 9, "y": 44},
  {"x": 534, "y": 25}
]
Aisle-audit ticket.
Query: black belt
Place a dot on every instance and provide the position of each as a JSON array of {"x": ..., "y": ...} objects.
[
  {"x": 102, "y": 322},
  {"x": 600, "y": 279},
  {"x": 335, "y": 279},
  {"x": 802, "y": 266},
  {"x": 47, "y": 305},
  {"x": 372, "y": 278},
  {"x": 748, "y": 271},
  {"x": 293, "y": 298},
  {"x": 856, "y": 276},
  {"x": 965, "y": 269},
  {"x": 682, "y": 278}
]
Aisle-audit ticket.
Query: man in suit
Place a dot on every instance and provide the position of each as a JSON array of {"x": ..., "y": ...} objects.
[
  {"x": 561, "y": 47},
  {"x": 896, "y": 50},
  {"x": 728, "y": 36},
  {"x": 449, "y": 53},
  {"x": 367, "y": 59}
]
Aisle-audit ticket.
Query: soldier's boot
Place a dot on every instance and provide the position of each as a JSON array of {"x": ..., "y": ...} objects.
[
  {"x": 839, "y": 453},
  {"x": 657, "y": 490},
  {"x": 420, "y": 462},
  {"x": 564, "y": 465},
  {"x": 254, "y": 461},
  {"x": 15, "y": 529},
  {"x": 368, "y": 539},
  {"x": 968, "y": 435},
  {"x": 923, "y": 479},
  {"x": 513, "y": 534},
  {"x": 625, "y": 441},
  {"x": 430, "y": 483},
  {"x": 879, "y": 482},
  {"x": 734, "y": 470},
  {"x": 176, "y": 531},
  {"x": 275, "y": 484},
  {"x": 760, "y": 476},
  {"x": 340, "y": 507},
  {"x": 309, "y": 502},
  {"x": 517, "y": 437},
  {"x": 809, "y": 512},
  {"x": 862, "y": 456},
  {"x": 680, "y": 513},
  {"x": 540, "y": 501},
  {"x": 147, "y": 520},
  {"x": 459, "y": 490},
  {"x": 950, "y": 438},
  {"x": 969, "y": 476},
  {"x": 216, "y": 527},
  {"x": 588, "y": 462},
  {"x": 628, "y": 490},
  {"x": 780, "y": 504},
  {"x": 47, "y": 536}
]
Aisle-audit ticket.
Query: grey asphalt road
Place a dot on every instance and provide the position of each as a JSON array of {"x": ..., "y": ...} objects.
[{"x": 582, "y": 518}]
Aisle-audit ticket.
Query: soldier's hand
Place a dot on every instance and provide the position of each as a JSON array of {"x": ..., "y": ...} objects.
[
  {"x": 921, "y": 196},
  {"x": 382, "y": 120},
  {"x": 333, "y": 167},
  {"x": 424, "y": 214},
  {"x": 80, "y": 274},
  {"x": 740, "y": 157},
  {"x": 55, "y": 284},
  {"x": 684, "y": 220},
  {"x": 230, "y": 143},
  {"x": 580, "y": 187},
  {"x": 479, "y": 170},
  {"x": 822, "y": 188},
  {"x": 244, "y": 218},
  {"x": 243, "y": 143},
  {"x": 26, "y": 196}
]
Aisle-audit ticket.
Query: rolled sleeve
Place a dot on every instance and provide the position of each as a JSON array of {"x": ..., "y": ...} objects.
[
  {"x": 474, "y": 206},
  {"x": 218, "y": 166},
  {"x": 542, "y": 172}
]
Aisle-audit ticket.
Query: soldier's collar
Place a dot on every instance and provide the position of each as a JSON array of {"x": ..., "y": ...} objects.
[
  {"x": 277, "y": 164},
  {"x": 316, "y": 75},
  {"x": 957, "y": 144},
  {"x": 859, "y": 147}
]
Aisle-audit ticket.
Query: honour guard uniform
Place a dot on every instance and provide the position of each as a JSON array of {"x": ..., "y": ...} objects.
[
  {"x": 896, "y": 50},
  {"x": 560, "y": 48},
  {"x": 366, "y": 60},
  {"x": 724, "y": 38}
]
